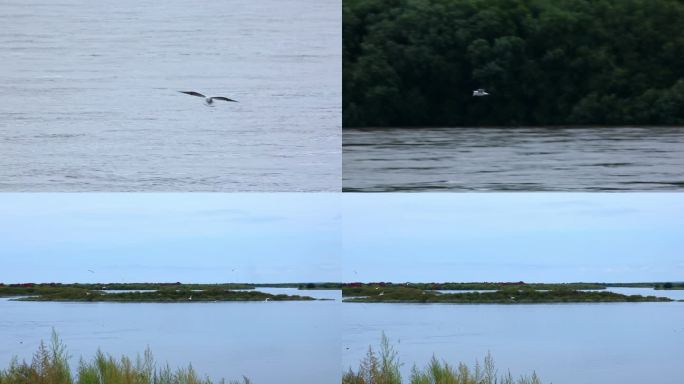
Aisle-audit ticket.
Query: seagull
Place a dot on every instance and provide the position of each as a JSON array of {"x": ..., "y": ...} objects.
[
  {"x": 209, "y": 101},
  {"x": 480, "y": 92}
]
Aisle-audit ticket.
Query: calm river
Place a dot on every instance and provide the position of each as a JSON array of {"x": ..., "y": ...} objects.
[
  {"x": 513, "y": 159},
  {"x": 628, "y": 343},
  {"x": 269, "y": 342},
  {"x": 89, "y": 95}
]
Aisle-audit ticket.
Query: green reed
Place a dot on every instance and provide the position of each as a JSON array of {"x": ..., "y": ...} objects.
[
  {"x": 382, "y": 367},
  {"x": 50, "y": 365}
]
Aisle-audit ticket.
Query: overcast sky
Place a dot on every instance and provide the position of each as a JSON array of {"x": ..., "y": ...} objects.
[
  {"x": 282, "y": 237},
  {"x": 534, "y": 237},
  {"x": 189, "y": 237}
]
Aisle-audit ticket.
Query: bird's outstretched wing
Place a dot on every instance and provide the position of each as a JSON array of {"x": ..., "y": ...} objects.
[
  {"x": 192, "y": 93},
  {"x": 223, "y": 98}
]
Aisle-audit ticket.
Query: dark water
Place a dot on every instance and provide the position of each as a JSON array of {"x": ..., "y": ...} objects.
[
  {"x": 89, "y": 101},
  {"x": 269, "y": 342},
  {"x": 627, "y": 343},
  {"x": 514, "y": 159}
]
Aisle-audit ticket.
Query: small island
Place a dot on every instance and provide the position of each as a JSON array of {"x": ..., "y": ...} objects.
[
  {"x": 504, "y": 293},
  {"x": 149, "y": 292}
]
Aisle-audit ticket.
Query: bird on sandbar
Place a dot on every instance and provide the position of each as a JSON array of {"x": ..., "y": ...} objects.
[{"x": 209, "y": 101}]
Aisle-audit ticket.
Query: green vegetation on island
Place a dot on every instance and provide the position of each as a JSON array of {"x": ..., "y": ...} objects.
[
  {"x": 543, "y": 62},
  {"x": 504, "y": 295},
  {"x": 23, "y": 289},
  {"x": 161, "y": 296},
  {"x": 50, "y": 365},
  {"x": 383, "y": 368},
  {"x": 149, "y": 292}
]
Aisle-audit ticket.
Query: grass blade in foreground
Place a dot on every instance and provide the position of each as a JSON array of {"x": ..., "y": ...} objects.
[
  {"x": 50, "y": 366},
  {"x": 383, "y": 368}
]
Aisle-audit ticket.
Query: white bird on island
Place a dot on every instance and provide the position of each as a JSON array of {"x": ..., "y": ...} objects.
[
  {"x": 190, "y": 298},
  {"x": 209, "y": 101},
  {"x": 267, "y": 299},
  {"x": 480, "y": 92}
]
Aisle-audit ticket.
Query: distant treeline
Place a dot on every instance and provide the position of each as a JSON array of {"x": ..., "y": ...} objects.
[
  {"x": 23, "y": 288},
  {"x": 544, "y": 62},
  {"x": 670, "y": 286},
  {"x": 481, "y": 285}
]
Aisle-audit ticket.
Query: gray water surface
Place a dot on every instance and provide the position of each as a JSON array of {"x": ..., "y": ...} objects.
[
  {"x": 89, "y": 95},
  {"x": 513, "y": 159},
  {"x": 269, "y": 342},
  {"x": 627, "y": 343}
]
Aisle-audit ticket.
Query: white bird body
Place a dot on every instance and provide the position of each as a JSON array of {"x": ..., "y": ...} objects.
[
  {"x": 480, "y": 92},
  {"x": 208, "y": 101}
]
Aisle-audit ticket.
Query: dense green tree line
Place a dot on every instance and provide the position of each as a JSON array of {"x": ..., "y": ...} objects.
[{"x": 544, "y": 62}]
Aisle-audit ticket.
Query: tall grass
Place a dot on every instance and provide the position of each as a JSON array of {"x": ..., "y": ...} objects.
[
  {"x": 50, "y": 365},
  {"x": 383, "y": 368}
]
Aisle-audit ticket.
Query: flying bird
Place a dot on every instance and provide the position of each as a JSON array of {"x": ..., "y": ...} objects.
[
  {"x": 480, "y": 92},
  {"x": 209, "y": 101}
]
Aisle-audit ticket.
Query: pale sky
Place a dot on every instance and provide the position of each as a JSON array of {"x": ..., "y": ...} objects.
[
  {"x": 188, "y": 237},
  {"x": 290, "y": 237},
  {"x": 534, "y": 237}
]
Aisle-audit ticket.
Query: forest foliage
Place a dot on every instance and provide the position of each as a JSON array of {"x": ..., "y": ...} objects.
[{"x": 544, "y": 62}]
